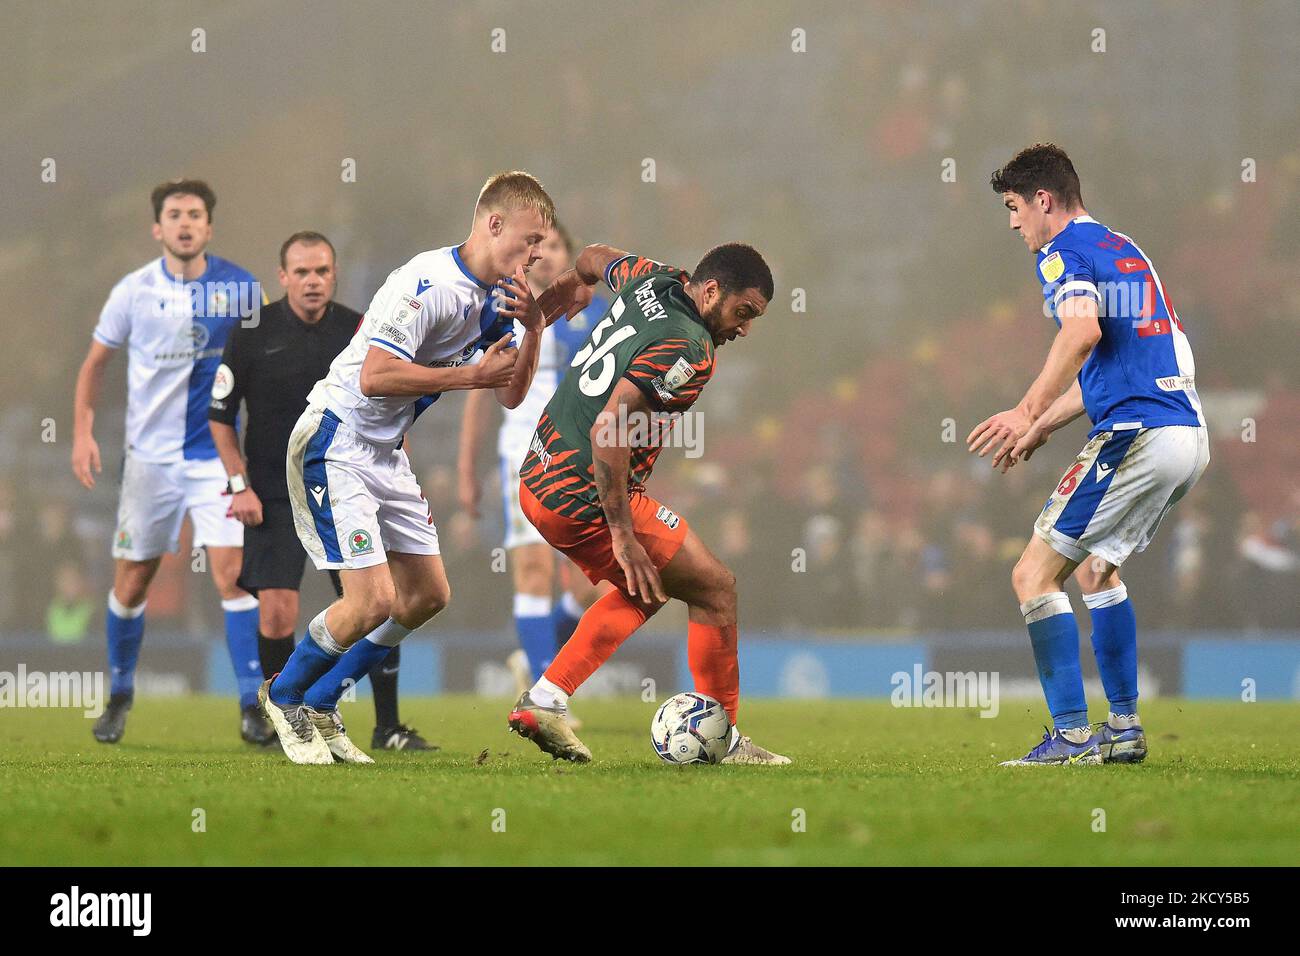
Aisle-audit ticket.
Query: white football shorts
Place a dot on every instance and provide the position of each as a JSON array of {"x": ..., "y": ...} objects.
[
  {"x": 353, "y": 500},
  {"x": 157, "y": 495},
  {"x": 1110, "y": 502}
]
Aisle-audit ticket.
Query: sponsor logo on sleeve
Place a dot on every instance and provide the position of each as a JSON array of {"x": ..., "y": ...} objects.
[
  {"x": 1052, "y": 268},
  {"x": 392, "y": 333},
  {"x": 661, "y": 390},
  {"x": 677, "y": 376},
  {"x": 408, "y": 307}
]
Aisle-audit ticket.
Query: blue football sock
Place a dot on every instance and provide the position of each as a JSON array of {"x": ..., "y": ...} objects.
[
  {"x": 125, "y": 628},
  {"x": 566, "y": 616},
  {"x": 315, "y": 654},
  {"x": 241, "y": 641},
  {"x": 536, "y": 629},
  {"x": 1114, "y": 641},
  {"x": 1055, "y": 637},
  {"x": 355, "y": 664}
]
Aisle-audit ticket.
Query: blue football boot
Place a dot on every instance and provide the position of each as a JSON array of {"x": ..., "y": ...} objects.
[
  {"x": 1057, "y": 750},
  {"x": 1127, "y": 745}
]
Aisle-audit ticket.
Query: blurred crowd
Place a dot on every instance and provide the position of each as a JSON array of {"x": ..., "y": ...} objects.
[{"x": 834, "y": 479}]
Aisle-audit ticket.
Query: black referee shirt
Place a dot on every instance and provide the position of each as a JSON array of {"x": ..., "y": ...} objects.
[{"x": 271, "y": 367}]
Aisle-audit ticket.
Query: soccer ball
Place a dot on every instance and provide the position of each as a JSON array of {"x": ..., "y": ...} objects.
[{"x": 690, "y": 728}]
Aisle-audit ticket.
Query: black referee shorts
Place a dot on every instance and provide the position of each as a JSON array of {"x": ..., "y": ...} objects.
[{"x": 273, "y": 555}]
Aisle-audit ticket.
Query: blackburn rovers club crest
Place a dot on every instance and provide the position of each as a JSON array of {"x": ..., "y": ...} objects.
[
  {"x": 359, "y": 543},
  {"x": 199, "y": 336}
]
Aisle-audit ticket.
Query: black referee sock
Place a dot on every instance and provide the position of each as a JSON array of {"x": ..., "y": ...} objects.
[
  {"x": 383, "y": 684},
  {"x": 273, "y": 653}
]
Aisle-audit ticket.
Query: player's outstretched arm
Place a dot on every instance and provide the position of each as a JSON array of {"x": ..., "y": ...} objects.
[
  {"x": 611, "y": 462},
  {"x": 595, "y": 259},
  {"x": 85, "y": 450},
  {"x": 572, "y": 291}
]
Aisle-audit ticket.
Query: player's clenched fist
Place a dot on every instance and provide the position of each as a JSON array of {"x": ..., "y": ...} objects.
[
  {"x": 498, "y": 365},
  {"x": 85, "y": 460}
]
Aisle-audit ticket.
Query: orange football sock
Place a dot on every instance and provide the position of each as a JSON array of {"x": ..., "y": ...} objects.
[
  {"x": 606, "y": 625},
  {"x": 711, "y": 653}
]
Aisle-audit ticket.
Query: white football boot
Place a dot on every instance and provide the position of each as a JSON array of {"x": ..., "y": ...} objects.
[
  {"x": 299, "y": 738},
  {"x": 546, "y": 727},
  {"x": 330, "y": 726},
  {"x": 745, "y": 751}
]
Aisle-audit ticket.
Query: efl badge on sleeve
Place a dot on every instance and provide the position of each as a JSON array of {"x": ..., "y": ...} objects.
[
  {"x": 1052, "y": 267},
  {"x": 677, "y": 376},
  {"x": 407, "y": 308}
]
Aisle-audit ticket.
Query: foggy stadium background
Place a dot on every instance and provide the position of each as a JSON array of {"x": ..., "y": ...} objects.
[{"x": 825, "y": 430}]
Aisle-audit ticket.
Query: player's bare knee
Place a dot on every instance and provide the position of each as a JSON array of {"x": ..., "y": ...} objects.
[
  {"x": 372, "y": 605},
  {"x": 277, "y": 613},
  {"x": 130, "y": 593},
  {"x": 131, "y": 581},
  {"x": 1027, "y": 580},
  {"x": 1095, "y": 575},
  {"x": 412, "y": 610}
]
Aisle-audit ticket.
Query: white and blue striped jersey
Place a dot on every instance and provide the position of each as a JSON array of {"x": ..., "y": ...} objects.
[
  {"x": 432, "y": 311},
  {"x": 560, "y": 342},
  {"x": 1141, "y": 373},
  {"x": 174, "y": 332}
]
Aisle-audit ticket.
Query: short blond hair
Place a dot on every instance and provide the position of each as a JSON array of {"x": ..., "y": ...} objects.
[{"x": 516, "y": 189}]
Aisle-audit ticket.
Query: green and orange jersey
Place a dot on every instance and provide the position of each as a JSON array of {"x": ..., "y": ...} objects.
[{"x": 651, "y": 335}]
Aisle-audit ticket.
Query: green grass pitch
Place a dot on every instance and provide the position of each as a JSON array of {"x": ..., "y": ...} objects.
[{"x": 871, "y": 785}]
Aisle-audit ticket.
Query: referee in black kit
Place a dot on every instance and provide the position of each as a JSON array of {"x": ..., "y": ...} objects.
[{"x": 271, "y": 367}]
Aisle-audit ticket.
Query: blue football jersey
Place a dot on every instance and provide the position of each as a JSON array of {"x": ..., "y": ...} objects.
[
  {"x": 175, "y": 332},
  {"x": 1141, "y": 373}
]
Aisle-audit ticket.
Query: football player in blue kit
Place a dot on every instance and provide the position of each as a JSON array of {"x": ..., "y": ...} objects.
[
  {"x": 172, "y": 317},
  {"x": 1121, "y": 357}
]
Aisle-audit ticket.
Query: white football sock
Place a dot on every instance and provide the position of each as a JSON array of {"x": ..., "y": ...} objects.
[
  {"x": 1123, "y": 721},
  {"x": 1077, "y": 735},
  {"x": 546, "y": 694}
]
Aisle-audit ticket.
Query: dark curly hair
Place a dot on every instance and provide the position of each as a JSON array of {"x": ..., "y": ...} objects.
[
  {"x": 736, "y": 267},
  {"x": 1041, "y": 166},
  {"x": 182, "y": 187}
]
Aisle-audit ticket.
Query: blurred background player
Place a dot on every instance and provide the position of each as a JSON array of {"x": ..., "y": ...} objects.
[
  {"x": 542, "y": 624},
  {"x": 174, "y": 316},
  {"x": 357, "y": 507},
  {"x": 271, "y": 367},
  {"x": 1122, "y": 359},
  {"x": 583, "y": 480}
]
